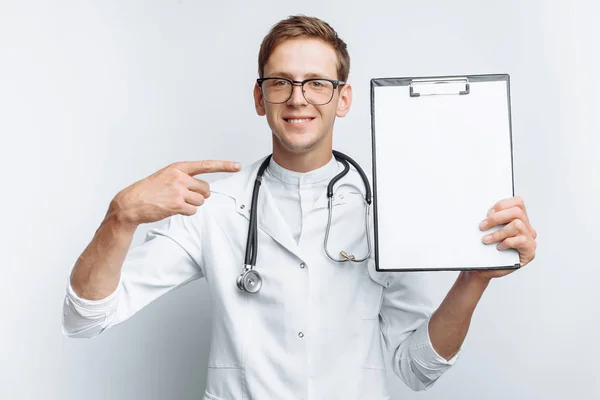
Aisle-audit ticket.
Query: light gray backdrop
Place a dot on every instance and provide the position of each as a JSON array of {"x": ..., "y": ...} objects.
[{"x": 97, "y": 95}]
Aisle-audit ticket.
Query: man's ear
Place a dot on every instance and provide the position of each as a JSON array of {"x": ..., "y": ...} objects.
[
  {"x": 259, "y": 103},
  {"x": 344, "y": 101}
]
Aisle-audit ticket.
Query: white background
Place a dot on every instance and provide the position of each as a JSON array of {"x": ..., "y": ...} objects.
[{"x": 97, "y": 95}]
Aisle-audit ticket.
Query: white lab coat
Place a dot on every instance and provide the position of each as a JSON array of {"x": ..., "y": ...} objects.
[{"x": 315, "y": 329}]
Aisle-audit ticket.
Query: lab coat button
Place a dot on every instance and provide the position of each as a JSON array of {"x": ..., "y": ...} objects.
[
  {"x": 300, "y": 335},
  {"x": 302, "y": 265}
]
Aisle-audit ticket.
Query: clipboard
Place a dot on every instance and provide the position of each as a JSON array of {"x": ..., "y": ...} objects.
[{"x": 442, "y": 156}]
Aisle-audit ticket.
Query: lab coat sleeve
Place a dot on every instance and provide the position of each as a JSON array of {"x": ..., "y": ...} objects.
[
  {"x": 169, "y": 257},
  {"x": 405, "y": 315}
]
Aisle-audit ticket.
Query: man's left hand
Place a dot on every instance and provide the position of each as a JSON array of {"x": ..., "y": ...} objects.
[{"x": 516, "y": 234}]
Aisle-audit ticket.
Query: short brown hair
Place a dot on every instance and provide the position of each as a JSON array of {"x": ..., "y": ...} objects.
[{"x": 298, "y": 26}]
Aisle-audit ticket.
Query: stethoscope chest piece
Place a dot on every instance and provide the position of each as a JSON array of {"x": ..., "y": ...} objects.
[{"x": 249, "y": 281}]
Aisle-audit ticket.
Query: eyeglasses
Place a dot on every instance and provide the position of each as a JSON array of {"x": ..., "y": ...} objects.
[{"x": 316, "y": 91}]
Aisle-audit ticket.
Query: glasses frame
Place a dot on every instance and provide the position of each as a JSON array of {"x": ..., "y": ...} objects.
[{"x": 335, "y": 83}]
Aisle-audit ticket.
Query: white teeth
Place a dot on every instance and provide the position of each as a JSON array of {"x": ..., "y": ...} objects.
[{"x": 298, "y": 121}]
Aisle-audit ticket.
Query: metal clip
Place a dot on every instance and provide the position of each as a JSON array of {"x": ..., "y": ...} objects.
[{"x": 433, "y": 87}]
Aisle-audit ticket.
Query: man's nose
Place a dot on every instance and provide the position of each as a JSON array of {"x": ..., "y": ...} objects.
[{"x": 297, "y": 98}]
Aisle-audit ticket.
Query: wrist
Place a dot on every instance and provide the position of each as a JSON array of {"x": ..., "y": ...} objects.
[
  {"x": 475, "y": 278},
  {"x": 118, "y": 218}
]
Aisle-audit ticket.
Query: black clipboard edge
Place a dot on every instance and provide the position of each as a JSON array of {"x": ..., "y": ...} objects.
[
  {"x": 403, "y": 81},
  {"x": 500, "y": 268}
]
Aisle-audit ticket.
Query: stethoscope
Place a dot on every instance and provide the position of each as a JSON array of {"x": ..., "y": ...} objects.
[{"x": 250, "y": 280}]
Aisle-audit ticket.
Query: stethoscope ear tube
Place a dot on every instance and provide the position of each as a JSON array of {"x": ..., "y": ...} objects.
[
  {"x": 337, "y": 177},
  {"x": 362, "y": 174},
  {"x": 252, "y": 240},
  {"x": 250, "y": 280}
]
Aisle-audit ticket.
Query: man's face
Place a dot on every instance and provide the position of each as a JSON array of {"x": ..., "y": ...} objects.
[{"x": 300, "y": 59}]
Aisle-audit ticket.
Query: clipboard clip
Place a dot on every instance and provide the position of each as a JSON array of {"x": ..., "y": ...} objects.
[{"x": 434, "y": 87}]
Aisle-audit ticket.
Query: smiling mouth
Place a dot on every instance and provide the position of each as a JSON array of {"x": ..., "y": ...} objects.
[{"x": 298, "y": 121}]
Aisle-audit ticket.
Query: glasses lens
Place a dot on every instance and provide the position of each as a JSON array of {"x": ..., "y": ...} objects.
[
  {"x": 276, "y": 90},
  {"x": 318, "y": 92}
]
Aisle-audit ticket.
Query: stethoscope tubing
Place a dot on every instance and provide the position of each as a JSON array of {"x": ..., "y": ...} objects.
[{"x": 252, "y": 239}]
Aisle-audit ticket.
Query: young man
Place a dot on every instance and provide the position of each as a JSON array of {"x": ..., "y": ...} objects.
[{"x": 314, "y": 329}]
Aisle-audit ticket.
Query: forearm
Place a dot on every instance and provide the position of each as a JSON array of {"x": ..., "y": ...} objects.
[
  {"x": 450, "y": 323},
  {"x": 97, "y": 271}
]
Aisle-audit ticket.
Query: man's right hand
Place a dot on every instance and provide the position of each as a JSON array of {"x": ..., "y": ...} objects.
[{"x": 169, "y": 191}]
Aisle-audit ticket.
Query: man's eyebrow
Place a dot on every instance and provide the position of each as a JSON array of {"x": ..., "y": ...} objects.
[{"x": 290, "y": 76}]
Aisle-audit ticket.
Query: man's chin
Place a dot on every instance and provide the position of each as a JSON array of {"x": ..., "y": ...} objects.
[
  {"x": 298, "y": 148},
  {"x": 298, "y": 143}
]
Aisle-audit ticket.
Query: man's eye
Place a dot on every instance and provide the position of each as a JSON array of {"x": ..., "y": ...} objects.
[
  {"x": 316, "y": 84},
  {"x": 280, "y": 83}
]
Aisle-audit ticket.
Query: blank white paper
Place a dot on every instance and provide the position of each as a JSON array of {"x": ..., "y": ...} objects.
[{"x": 441, "y": 163}]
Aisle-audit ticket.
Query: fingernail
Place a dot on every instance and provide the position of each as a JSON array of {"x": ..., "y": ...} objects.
[
  {"x": 237, "y": 165},
  {"x": 483, "y": 224},
  {"x": 490, "y": 212},
  {"x": 487, "y": 238}
]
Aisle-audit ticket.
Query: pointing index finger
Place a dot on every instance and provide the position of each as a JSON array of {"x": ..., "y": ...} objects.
[{"x": 205, "y": 166}]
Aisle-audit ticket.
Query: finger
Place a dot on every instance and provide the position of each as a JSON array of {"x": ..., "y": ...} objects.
[
  {"x": 198, "y": 186},
  {"x": 193, "y": 198},
  {"x": 514, "y": 228},
  {"x": 516, "y": 201},
  {"x": 188, "y": 209},
  {"x": 205, "y": 166},
  {"x": 505, "y": 217},
  {"x": 501, "y": 217},
  {"x": 522, "y": 243},
  {"x": 514, "y": 242},
  {"x": 509, "y": 202}
]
